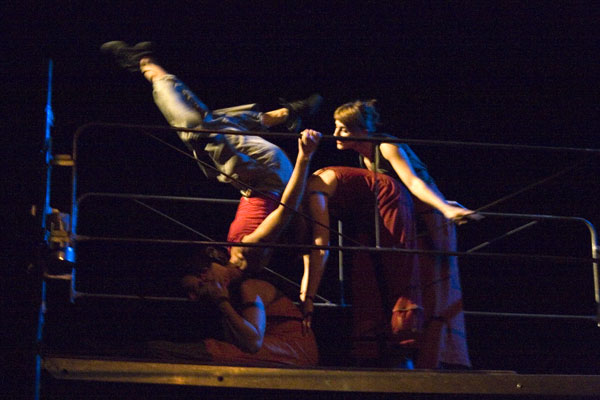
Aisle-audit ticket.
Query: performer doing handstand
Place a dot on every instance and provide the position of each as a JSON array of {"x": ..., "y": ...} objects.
[{"x": 257, "y": 167}]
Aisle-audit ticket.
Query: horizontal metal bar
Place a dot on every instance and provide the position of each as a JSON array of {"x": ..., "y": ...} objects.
[
  {"x": 556, "y": 259},
  {"x": 81, "y": 295},
  {"x": 328, "y": 304},
  {"x": 593, "y": 238},
  {"x": 530, "y": 315},
  {"x": 534, "y": 216},
  {"x": 86, "y": 295},
  {"x": 131, "y": 196},
  {"x": 331, "y": 137}
]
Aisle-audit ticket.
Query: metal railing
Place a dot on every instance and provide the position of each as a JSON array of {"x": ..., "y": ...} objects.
[{"x": 593, "y": 259}]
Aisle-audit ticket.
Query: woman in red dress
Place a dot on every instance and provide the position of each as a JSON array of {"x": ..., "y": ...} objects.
[{"x": 433, "y": 311}]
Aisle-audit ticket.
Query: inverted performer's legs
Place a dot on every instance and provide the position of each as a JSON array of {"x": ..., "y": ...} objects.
[
  {"x": 180, "y": 107},
  {"x": 183, "y": 109}
]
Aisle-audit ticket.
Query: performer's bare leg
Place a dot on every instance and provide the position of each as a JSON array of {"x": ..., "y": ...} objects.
[{"x": 275, "y": 117}]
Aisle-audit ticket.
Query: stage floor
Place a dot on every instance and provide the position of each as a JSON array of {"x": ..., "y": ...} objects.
[{"x": 312, "y": 380}]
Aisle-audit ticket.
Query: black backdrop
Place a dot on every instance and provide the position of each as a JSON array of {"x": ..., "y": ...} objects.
[{"x": 505, "y": 72}]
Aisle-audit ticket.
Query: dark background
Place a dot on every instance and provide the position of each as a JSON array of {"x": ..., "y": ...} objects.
[{"x": 494, "y": 72}]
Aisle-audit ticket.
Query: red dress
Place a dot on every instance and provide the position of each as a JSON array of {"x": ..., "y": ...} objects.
[
  {"x": 283, "y": 344},
  {"x": 250, "y": 213},
  {"x": 444, "y": 338},
  {"x": 379, "y": 279}
]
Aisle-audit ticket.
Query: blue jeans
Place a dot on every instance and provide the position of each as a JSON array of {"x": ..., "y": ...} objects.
[
  {"x": 242, "y": 160},
  {"x": 182, "y": 109}
]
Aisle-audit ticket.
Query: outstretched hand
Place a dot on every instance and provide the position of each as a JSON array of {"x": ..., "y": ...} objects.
[
  {"x": 308, "y": 143},
  {"x": 460, "y": 215}
]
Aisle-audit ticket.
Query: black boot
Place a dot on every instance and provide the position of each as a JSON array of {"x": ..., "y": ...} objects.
[
  {"x": 301, "y": 111},
  {"x": 127, "y": 56}
]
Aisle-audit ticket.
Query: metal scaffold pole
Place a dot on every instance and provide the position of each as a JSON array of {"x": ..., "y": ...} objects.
[{"x": 47, "y": 209}]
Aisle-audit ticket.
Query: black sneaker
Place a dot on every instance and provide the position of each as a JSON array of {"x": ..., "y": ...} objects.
[
  {"x": 127, "y": 56},
  {"x": 301, "y": 111}
]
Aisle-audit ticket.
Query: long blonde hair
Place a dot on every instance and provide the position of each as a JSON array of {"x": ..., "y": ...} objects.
[{"x": 358, "y": 114}]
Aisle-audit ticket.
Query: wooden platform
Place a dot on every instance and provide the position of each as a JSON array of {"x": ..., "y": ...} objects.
[{"x": 314, "y": 380}]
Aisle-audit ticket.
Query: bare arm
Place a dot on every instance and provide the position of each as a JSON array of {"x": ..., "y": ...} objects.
[
  {"x": 270, "y": 229},
  {"x": 399, "y": 160},
  {"x": 272, "y": 226},
  {"x": 247, "y": 327},
  {"x": 320, "y": 187}
]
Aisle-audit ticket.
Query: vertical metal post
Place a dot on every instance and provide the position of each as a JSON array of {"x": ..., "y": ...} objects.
[
  {"x": 376, "y": 190},
  {"x": 595, "y": 255},
  {"x": 341, "y": 263},
  {"x": 39, "y": 337},
  {"x": 48, "y": 146},
  {"x": 46, "y": 211},
  {"x": 74, "y": 208}
]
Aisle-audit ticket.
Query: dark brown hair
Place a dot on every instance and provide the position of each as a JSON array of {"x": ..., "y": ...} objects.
[
  {"x": 201, "y": 259},
  {"x": 358, "y": 114}
]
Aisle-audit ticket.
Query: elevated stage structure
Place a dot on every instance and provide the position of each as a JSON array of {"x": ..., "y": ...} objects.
[
  {"x": 331, "y": 382},
  {"x": 75, "y": 303}
]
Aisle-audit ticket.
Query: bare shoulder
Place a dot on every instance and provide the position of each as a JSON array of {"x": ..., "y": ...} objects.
[
  {"x": 322, "y": 180},
  {"x": 251, "y": 288},
  {"x": 323, "y": 173},
  {"x": 391, "y": 150}
]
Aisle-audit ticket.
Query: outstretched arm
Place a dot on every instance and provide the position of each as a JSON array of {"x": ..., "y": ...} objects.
[
  {"x": 272, "y": 226},
  {"x": 320, "y": 187},
  {"x": 399, "y": 160}
]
